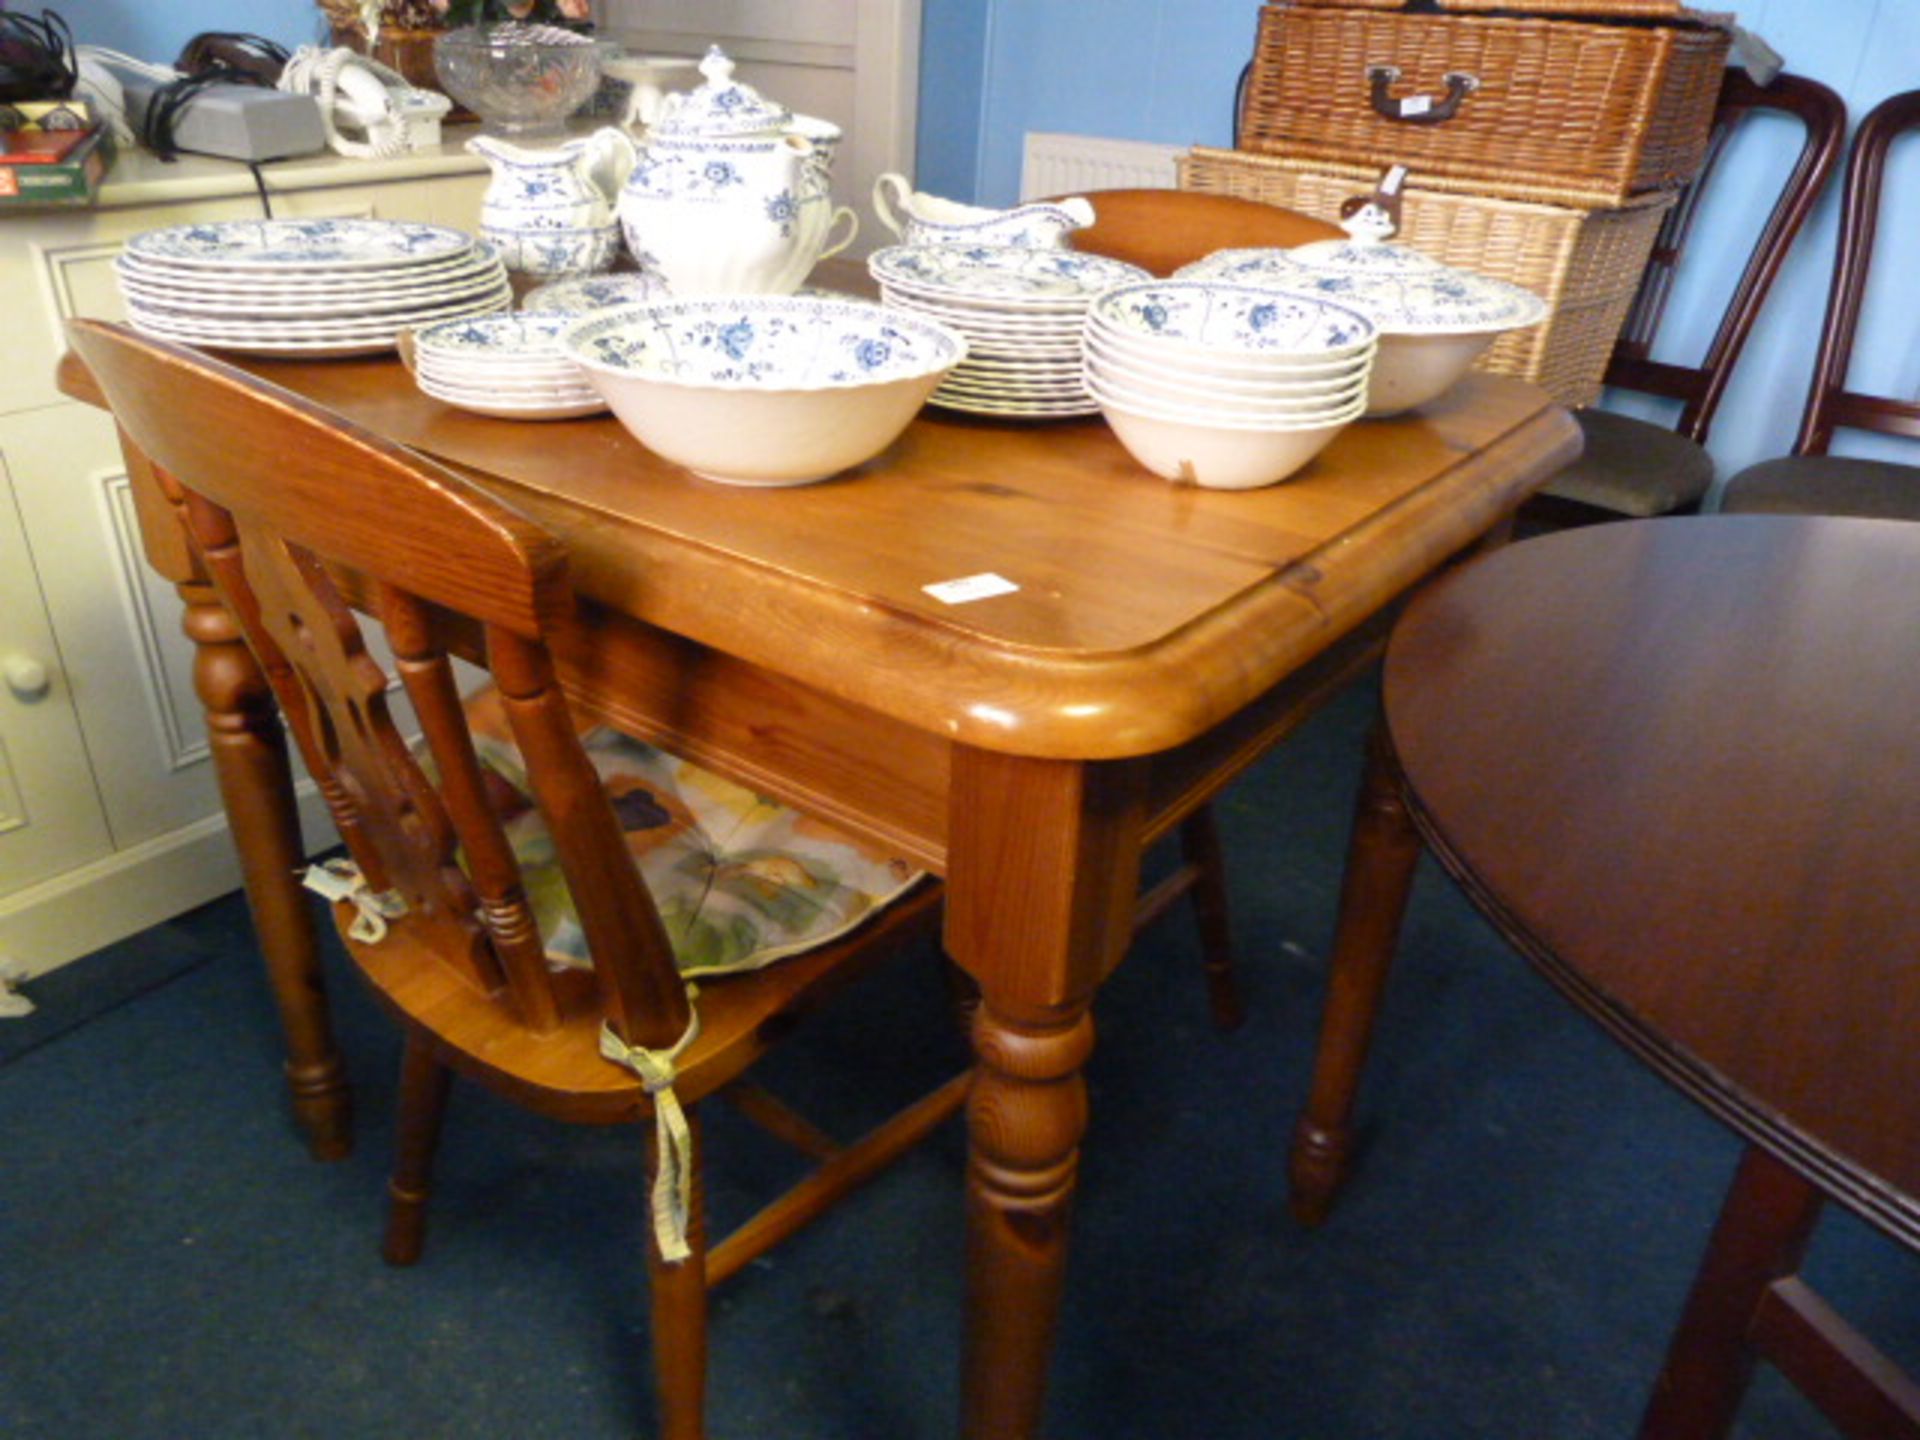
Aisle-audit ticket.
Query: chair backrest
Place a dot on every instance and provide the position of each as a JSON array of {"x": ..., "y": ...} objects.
[
  {"x": 294, "y": 511},
  {"x": 1161, "y": 230},
  {"x": 1830, "y": 404},
  {"x": 1701, "y": 387}
]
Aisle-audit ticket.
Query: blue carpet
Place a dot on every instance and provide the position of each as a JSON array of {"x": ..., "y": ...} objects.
[{"x": 1507, "y": 1262}]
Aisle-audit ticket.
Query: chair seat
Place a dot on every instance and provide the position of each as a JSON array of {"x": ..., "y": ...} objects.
[
  {"x": 1633, "y": 467},
  {"x": 1826, "y": 485},
  {"x": 740, "y": 880},
  {"x": 563, "y": 1073}
]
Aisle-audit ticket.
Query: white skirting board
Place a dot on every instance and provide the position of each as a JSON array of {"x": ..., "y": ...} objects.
[
  {"x": 72, "y": 915},
  {"x": 1056, "y": 164}
]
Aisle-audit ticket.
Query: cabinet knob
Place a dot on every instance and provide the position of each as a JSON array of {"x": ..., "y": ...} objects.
[{"x": 26, "y": 677}]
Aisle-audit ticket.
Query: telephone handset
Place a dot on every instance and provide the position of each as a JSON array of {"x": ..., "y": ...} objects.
[{"x": 369, "y": 111}]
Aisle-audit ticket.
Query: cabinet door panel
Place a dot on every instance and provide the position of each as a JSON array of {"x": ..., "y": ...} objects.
[
  {"x": 50, "y": 813},
  {"x": 119, "y": 624}
]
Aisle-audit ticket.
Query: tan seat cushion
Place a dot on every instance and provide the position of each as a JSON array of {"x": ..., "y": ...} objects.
[{"x": 740, "y": 880}]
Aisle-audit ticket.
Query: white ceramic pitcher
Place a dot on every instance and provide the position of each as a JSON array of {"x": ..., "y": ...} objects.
[{"x": 551, "y": 211}]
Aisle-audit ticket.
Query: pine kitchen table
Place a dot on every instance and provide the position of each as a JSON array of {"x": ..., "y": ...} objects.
[{"x": 1151, "y": 642}]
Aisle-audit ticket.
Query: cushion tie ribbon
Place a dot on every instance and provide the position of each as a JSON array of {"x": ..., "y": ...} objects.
[
  {"x": 338, "y": 880},
  {"x": 672, "y": 1197}
]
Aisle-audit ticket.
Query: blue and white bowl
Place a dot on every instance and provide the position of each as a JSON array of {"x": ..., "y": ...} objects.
[
  {"x": 1434, "y": 319},
  {"x": 581, "y": 295},
  {"x": 554, "y": 253},
  {"x": 1239, "y": 321},
  {"x": 761, "y": 389},
  {"x": 1225, "y": 386}
]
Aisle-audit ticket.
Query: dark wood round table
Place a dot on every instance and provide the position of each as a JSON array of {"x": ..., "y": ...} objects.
[{"x": 1677, "y": 763}]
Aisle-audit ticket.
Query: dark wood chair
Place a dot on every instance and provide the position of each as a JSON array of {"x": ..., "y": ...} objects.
[
  {"x": 1634, "y": 467},
  {"x": 1673, "y": 764},
  {"x": 1810, "y": 480},
  {"x": 287, "y": 504}
]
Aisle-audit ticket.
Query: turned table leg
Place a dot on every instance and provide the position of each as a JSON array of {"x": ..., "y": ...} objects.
[
  {"x": 1043, "y": 864},
  {"x": 1025, "y": 1116},
  {"x": 256, "y": 786},
  {"x": 1381, "y": 859}
]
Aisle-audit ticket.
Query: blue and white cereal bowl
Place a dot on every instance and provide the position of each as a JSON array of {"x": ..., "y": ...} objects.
[
  {"x": 1225, "y": 386},
  {"x": 760, "y": 389}
]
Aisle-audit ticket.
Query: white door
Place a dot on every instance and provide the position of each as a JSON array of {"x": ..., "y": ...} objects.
[
  {"x": 50, "y": 814},
  {"x": 854, "y": 62}
]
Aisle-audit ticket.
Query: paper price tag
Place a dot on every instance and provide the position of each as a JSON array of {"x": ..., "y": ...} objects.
[
  {"x": 1416, "y": 105},
  {"x": 968, "y": 588}
]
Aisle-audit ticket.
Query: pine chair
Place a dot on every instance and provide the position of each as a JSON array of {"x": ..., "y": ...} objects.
[
  {"x": 1637, "y": 468},
  {"x": 1810, "y": 480},
  {"x": 442, "y": 909}
]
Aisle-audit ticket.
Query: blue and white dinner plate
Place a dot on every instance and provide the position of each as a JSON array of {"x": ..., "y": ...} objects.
[
  {"x": 301, "y": 245},
  {"x": 1010, "y": 276}
]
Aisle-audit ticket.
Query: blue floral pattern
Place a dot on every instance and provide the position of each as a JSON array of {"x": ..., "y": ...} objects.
[
  {"x": 1233, "y": 317},
  {"x": 797, "y": 341},
  {"x": 1401, "y": 290},
  {"x": 299, "y": 244},
  {"x": 1013, "y": 272}
]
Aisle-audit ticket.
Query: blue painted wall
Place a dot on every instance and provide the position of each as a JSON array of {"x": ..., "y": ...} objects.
[
  {"x": 149, "y": 31},
  {"x": 1164, "y": 70}
]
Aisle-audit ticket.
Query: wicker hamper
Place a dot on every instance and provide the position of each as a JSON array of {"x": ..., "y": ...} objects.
[
  {"x": 1560, "y": 106},
  {"x": 1585, "y": 261}
]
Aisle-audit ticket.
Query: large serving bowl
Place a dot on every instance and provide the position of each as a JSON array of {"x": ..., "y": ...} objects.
[
  {"x": 1435, "y": 319},
  {"x": 521, "y": 80},
  {"x": 760, "y": 389}
]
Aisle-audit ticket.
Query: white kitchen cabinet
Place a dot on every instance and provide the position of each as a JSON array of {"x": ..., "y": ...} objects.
[{"x": 109, "y": 816}]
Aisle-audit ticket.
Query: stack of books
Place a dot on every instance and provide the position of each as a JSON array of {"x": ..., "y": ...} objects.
[{"x": 53, "y": 166}]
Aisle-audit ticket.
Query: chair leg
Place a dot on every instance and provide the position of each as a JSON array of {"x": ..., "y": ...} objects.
[
  {"x": 424, "y": 1083},
  {"x": 1381, "y": 858},
  {"x": 1760, "y": 1237},
  {"x": 1201, "y": 852},
  {"x": 680, "y": 1310}
]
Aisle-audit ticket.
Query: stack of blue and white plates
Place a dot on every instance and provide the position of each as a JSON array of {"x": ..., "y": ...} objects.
[
  {"x": 305, "y": 287},
  {"x": 510, "y": 366},
  {"x": 1021, "y": 310}
]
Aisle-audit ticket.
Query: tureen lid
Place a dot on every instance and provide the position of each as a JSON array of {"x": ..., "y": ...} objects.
[
  {"x": 721, "y": 106},
  {"x": 1439, "y": 300},
  {"x": 1372, "y": 257}
]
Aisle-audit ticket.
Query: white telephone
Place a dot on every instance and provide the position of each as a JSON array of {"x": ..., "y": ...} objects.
[{"x": 369, "y": 110}]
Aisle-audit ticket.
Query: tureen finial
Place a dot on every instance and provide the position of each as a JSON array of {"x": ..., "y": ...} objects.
[
  {"x": 715, "y": 67},
  {"x": 1371, "y": 219}
]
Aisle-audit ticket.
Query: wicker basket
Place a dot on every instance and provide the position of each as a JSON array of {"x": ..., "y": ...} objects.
[
  {"x": 1590, "y": 9},
  {"x": 1557, "y": 110},
  {"x": 1585, "y": 262}
]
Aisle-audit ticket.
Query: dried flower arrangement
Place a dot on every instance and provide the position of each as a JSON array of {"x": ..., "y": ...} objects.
[{"x": 370, "y": 17}]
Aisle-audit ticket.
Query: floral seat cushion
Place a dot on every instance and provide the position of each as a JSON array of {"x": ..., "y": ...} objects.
[{"x": 740, "y": 880}]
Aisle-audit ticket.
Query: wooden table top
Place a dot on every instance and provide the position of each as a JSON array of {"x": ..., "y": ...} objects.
[
  {"x": 1146, "y": 612},
  {"x": 1678, "y": 762}
]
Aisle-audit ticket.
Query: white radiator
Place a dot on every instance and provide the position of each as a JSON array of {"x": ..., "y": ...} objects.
[{"x": 1067, "y": 164}]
